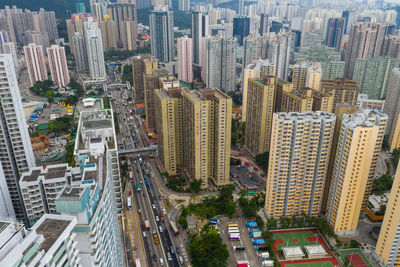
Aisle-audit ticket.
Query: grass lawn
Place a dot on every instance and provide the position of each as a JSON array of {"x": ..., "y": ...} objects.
[{"x": 294, "y": 239}]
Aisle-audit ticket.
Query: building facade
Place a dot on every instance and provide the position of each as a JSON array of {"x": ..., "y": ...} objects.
[
  {"x": 81, "y": 58},
  {"x": 35, "y": 61},
  {"x": 142, "y": 65},
  {"x": 387, "y": 249},
  {"x": 58, "y": 65},
  {"x": 343, "y": 91},
  {"x": 260, "y": 109},
  {"x": 334, "y": 33},
  {"x": 125, "y": 17},
  {"x": 359, "y": 143},
  {"x": 17, "y": 156},
  {"x": 297, "y": 170},
  {"x": 162, "y": 33}
]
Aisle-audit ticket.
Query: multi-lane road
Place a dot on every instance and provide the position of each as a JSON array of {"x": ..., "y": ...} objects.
[{"x": 160, "y": 245}]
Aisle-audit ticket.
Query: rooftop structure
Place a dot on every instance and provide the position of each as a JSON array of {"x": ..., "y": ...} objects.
[
  {"x": 315, "y": 251},
  {"x": 293, "y": 253}
]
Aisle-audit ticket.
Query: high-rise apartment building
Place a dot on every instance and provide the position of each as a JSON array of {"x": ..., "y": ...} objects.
[
  {"x": 299, "y": 75},
  {"x": 297, "y": 169},
  {"x": 279, "y": 54},
  {"x": 58, "y": 65},
  {"x": 50, "y": 241},
  {"x": 94, "y": 48},
  {"x": 365, "y": 41},
  {"x": 200, "y": 30},
  {"x": 387, "y": 250},
  {"x": 254, "y": 48},
  {"x": 10, "y": 48},
  {"x": 142, "y": 65},
  {"x": 35, "y": 62},
  {"x": 264, "y": 28},
  {"x": 314, "y": 76},
  {"x": 221, "y": 63},
  {"x": 359, "y": 143},
  {"x": 392, "y": 102},
  {"x": 81, "y": 58},
  {"x": 170, "y": 127},
  {"x": 40, "y": 187},
  {"x": 159, "y": 78},
  {"x": 373, "y": 75},
  {"x": 38, "y": 38},
  {"x": 110, "y": 33},
  {"x": 162, "y": 33},
  {"x": 124, "y": 15},
  {"x": 184, "y": 5},
  {"x": 185, "y": 59},
  {"x": 260, "y": 108},
  {"x": 6, "y": 206},
  {"x": 241, "y": 28},
  {"x": 17, "y": 157},
  {"x": 254, "y": 70},
  {"x": 207, "y": 135},
  {"x": 391, "y": 46},
  {"x": 343, "y": 91},
  {"x": 334, "y": 33},
  {"x": 304, "y": 99}
]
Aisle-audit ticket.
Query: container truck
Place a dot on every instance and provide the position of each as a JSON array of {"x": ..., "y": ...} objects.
[
  {"x": 259, "y": 242},
  {"x": 251, "y": 224}
]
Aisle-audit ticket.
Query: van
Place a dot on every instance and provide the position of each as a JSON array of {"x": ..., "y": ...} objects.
[{"x": 180, "y": 260}]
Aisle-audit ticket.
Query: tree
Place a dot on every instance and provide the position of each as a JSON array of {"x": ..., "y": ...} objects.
[
  {"x": 70, "y": 154},
  {"x": 207, "y": 250},
  {"x": 183, "y": 222},
  {"x": 50, "y": 99},
  {"x": 262, "y": 160},
  {"x": 382, "y": 184},
  {"x": 272, "y": 223},
  {"x": 234, "y": 161},
  {"x": 195, "y": 186}
]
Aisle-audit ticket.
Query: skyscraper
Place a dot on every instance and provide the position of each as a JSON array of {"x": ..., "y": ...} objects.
[
  {"x": 334, "y": 33},
  {"x": 81, "y": 58},
  {"x": 35, "y": 62},
  {"x": 392, "y": 103},
  {"x": 221, "y": 63},
  {"x": 260, "y": 108},
  {"x": 264, "y": 29},
  {"x": 142, "y": 65},
  {"x": 387, "y": 250},
  {"x": 184, "y": 5},
  {"x": 185, "y": 59},
  {"x": 254, "y": 48},
  {"x": 124, "y": 15},
  {"x": 359, "y": 143},
  {"x": 297, "y": 169},
  {"x": 17, "y": 156},
  {"x": 279, "y": 54},
  {"x": 349, "y": 19},
  {"x": 95, "y": 52},
  {"x": 241, "y": 28},
  {"x": 373, "y": 75},
  {"x": 241, "y": 8},
  {"x": 199, "y": 30},
  {"x": 58, "y": 65},
  {"x": 162, "y": 34},
  {"x": 343, "y": 91},
  {"x": 365, "y": 40}
]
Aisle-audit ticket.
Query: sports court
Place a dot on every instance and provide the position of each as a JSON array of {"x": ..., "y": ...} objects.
[
  {"x": 356, "y": 257},
  {"x": 302, "y": 238}
]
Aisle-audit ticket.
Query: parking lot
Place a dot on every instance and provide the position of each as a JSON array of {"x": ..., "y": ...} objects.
[{"x": 249, "y": 253}]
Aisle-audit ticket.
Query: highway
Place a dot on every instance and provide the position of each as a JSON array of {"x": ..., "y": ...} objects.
[{"x": 132, "y": 135}]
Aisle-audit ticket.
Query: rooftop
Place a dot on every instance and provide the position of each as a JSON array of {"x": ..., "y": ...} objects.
[
  {"x": 97, "y": 124},
  {"x": 292, "y": 252},
  {"x": 3, "y": 225},
  {"x": 72, "y": 193},
  {"x": 51, "y": 229},
  {"x": 314, "y": 250}
]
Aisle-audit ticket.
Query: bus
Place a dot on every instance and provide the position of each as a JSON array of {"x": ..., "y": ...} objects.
[
  {"x": 174, "y": 228},
  {"x": 233, "y": 225},
  {"x": 234, "y": 232},
  {"x": 138, "y": 187}
]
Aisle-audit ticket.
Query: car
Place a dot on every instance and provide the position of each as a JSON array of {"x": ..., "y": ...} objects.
[
  {"x": 161, "y": 261},
  {"x": 169, "y": 256},
  {"x": 180, "y": 259},
  {"x": 178, "y": 250},
  {"x": 172, "y": 250},
  {"x": 139, "y": 211},
  {"x": 159, "y": 197},
  {"x": 247, "y": 164},
  {"x": 155, "y": 257},
  {"x": 164, "y": 211},
  {"x": 140, "y": 182},
  {"x": 144, "y": 234},
  {"x": 157, "y": 219},
  {"x": 161, "y": 229},
  {"x": 154, "y": 206}
]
